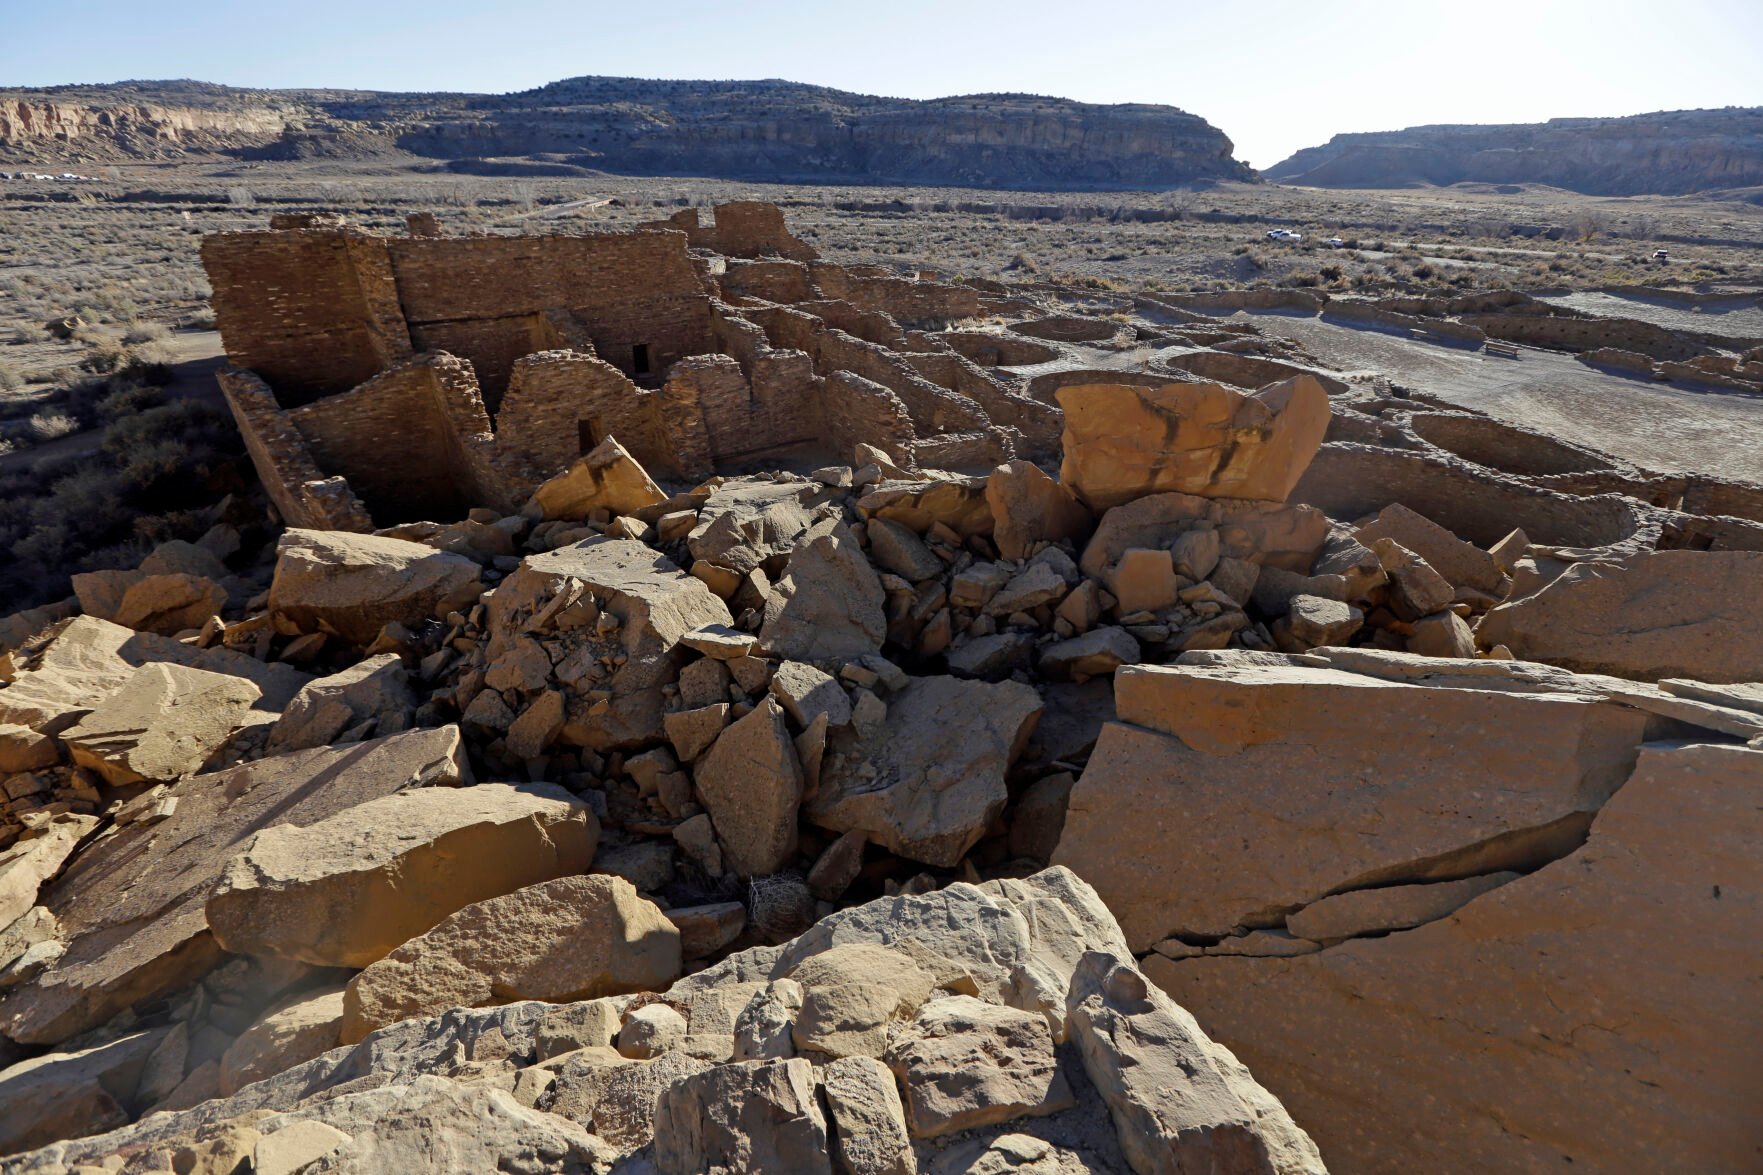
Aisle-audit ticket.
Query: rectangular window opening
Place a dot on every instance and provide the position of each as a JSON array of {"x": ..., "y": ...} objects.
[{"x": 640, "y": 359}]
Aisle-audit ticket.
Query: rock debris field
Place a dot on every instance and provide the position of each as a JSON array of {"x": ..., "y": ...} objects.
[{"x": 691, "y": 707}]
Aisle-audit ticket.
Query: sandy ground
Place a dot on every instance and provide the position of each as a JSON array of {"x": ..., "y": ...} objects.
[
  {"x": 1658, "y": 426},
  {"x": 1737, "y": 317}
]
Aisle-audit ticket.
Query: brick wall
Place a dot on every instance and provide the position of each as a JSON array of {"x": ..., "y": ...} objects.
[
  {"x": 560, "y": 404},
  {"x": 775, "y": 281},
  {"x": 312, "y": 311},
  {"x": 857, "y": 410},
  {"x": 302, "y": 493}
]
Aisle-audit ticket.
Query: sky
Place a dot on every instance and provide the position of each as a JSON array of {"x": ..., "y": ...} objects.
[{"x": 1274, "y": 75}]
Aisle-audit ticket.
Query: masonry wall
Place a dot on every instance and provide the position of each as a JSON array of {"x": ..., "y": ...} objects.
[
  {"x": 1584, "y": 334},
  {"x": 560, "y": 404},
  {"x": 743, "y": 228},
  {"x": 628, "y": 290},
  {"x": 774, "y": 281},
  {"x": 856, "y": 410},
  {"x": 1041, "y": 425},
  {"x": 912, "y": 303},
  {"x": 312, "y": 311},
  {"x": 302, "y": 493},
  {"x": 390, "y": 438}
]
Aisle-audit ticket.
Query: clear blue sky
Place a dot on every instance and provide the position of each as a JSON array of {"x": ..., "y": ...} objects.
[{"x": 1275, "y": 75}]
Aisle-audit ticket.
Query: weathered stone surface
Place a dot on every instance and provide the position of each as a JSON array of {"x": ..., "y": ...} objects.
[
  {"x": 706, "y": 929},
  {"x": 34, "y": 859},
  {"x": 1462, "y": 564},
  {"x": 929, "y": 782},
  {"x": 375, "y": 688},
  {"x": 851, "y": 995},
  {"x": 23, "y": 749},
  {"x": 1094, "y": 654},
  {"x": 806, "y": 692},
  {"x": 958, "y": 503},
  {"x": 869, "y": 1135},
  {"x": 964, "y": 1064},
  {"x": 574, "y": 938},
  {"x": 692, "y": 731},
  {"x": 828, "y": 607},
  {"x": 751, "y": 783},
  {"x": 745, "y": 522},
  {"x": 356, "y": 584},
  {"x": 1316, "y": 621},
  {"x": 991, "y": 658},
  {"x": 897, "y": 549},
  {"x": 1393, "y": 907},
  {"x": 1650, "y": 615},
  {"x": 132, "y": 905},
  {"x": 758, "y": 1116},
  {"x": 608, "y": 478},
  {"x": 290, "y": 1034},
  {"x": 1601, "y": 988},
  {"x": 1443, "y": 634},
  {"x": 1219, "y": 748},
  {"x": 163, "y": 723},
  {"x": 1124, "y": 442},
  {"x": 345, "y": 891},
  {"x": 166, "y": 603},
  {"x": 616, "y": 1097},
  {"x": 68, "y": 669},
  {"x": 65, "y": 1095},
  {"x": 1028, "y": 507},
  {"x": 1416, "y": 588},
  {"x": 1180, "y": 1101},
  {"x": 1266, "y": 533}
]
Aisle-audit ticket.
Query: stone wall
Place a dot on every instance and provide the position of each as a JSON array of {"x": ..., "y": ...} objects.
[
  {"x": 301, "y": 492},
  {"x": 742, "y": 228},
  {"x": 910, "y": 302},
  {"x": 312, "y": 311},
  {"x": 774, "y": 281},
  {"x": 1584, "y": 334},
  {"x": 560, "y": 404},
  {"x": 860, "y": 411}
]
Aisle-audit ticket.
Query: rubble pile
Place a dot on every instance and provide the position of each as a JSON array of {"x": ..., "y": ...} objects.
[{"x": 750, "y": 821}]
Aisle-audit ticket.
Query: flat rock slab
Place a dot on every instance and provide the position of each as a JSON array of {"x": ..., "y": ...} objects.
[
  {"x": 574, "y": 938},
  {"x": 1602, "y": 988},
  {"x": 163, "y": 723},
  {"x": 131, "y": 905},
  {"x": 1649, "y": 616},
  {"x": 1225, "y": 796},
  {"x": 347, "y": 890},
  {"x": 929, "y": 781},
  {"x": 356, "y": 584}
]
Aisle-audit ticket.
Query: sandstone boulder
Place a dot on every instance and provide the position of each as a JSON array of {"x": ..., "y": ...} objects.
[
  {"x": 758, "y": 1116},
  {"x": 68, "y": 669},
  {"x": 1555, "y": 1020},
  {"x": 1462, "y": 564},
  {"x": 345, "y": 891},
  {"x": 751, "y": 784},
  {"x": 746, "y": 522},
  {"x": 1124, "y": 442},
  {"x": 965, "y": 1063},
  {"x": 1264, "y": 533},
  {"x": 608, "y": 478},
  {"x": 65, "y": 1095},
  {"x": 828, "y": 607},
  {"x": 869, "y": 1134},
  {"x": 132, "y": 905},
  {"x": 930, "y": 780},
  {"x": 958, "y": 503},
  {"x": 898, "y": 549},
  {"x": 163, "y": 723},
  {"x": 356, "y": 584},
  {"x": 574, "y": 938},
  {"x": 36, "y": 857},
  {"x": 1180, "y": 1101},
  {"x": 1649, "y": 615},
  {"x": 292, "y": 1033},
  {"x": 1028, "y": 507},
  {"x": 1218, "y": 748},
  {"x": 163, "y": 603},
  {"x": 375, "y": 689}
]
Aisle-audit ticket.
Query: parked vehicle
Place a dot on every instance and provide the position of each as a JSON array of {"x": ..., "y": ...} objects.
[{"x": 1335, "y": 243}]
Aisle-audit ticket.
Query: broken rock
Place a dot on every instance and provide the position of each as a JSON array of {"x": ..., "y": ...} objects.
[{"x": 356, "y": 584}]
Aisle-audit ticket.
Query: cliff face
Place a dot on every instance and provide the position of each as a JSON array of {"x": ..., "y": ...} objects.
[
  {"x": 765, "y": 130},
  {"x": 1668, "y": 153}
]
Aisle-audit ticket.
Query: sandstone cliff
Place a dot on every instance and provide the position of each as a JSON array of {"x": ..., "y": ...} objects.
[
  {"x": 764, "y": 130},
  {"x": 1670, "y": 152}
]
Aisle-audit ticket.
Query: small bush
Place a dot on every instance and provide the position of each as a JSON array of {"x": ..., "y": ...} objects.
[
  {"x": 48, "y": 426},
  {"x": 9, "y": 379},
  {"x": 145, "y": 332}
]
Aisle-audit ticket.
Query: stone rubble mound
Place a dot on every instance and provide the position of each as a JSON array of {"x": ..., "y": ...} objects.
[{"x": 934, "y": 807}]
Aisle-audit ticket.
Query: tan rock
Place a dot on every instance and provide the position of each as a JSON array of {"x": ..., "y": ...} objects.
[
  {"x": 345, "y": 891},
  {"x": 290, "y": 1034},
  {"x": 65, "y": 1095},
  {"x": 1266, "y": 533},
  {"x": 356, "y": 584},
  {"x": 1143, "y": 581},
  {"x": 574, "y": 938},
  {"x": 1443, "y": 634},
  {"x": 692, "y": 731},
  {"x": 851, "y": 995},
  {"x": 608, "y": 478},
  {"x": 959, "y": 503},
  {"x": 1124, "y": 442},
  {"x": 616, "y": 1097},
  {"x": 375, "y": 688},
  {"x": 1179, "y": 1100},
  {"x": 1392, "y": 907},
  {"x": 966, "y": 1064},
  {"x": 34, "y": 859},
  {"x": 751, "y": 783},
  {"x": 806, "y": 692},
  {"x": 756, "y": 1116},
  {"x": 23, "y": 749},
  {"x": 1462, "y": 564},
  {"x": 66, "y": 670},
  {"x": 1028, "y": 507},
  {"x": 132, "y": 904},
  {"x": 165, "y": 722},
  {"x": 1095, "y": 654},
  {"x": 1316, "y": 621},
  {"x": 869, "y": 1135},
  {"x": 1555, "y": 1024},
  {"x": 929, "y": 782},
  {"x": 1647, "y": 616},
  {"x": 748, "y": 521},
  {"x": 827, "y": 608},
  {"x": 1218, "y": 748},
  {"x": 896, "y": 548}
]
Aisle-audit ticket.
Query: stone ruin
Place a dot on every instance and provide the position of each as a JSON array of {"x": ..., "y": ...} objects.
[
  {"x": 382, "y": 380},
  {"x": 1139, "y": 748}
]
